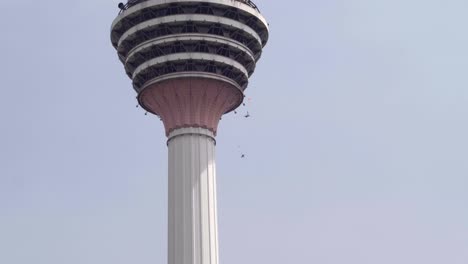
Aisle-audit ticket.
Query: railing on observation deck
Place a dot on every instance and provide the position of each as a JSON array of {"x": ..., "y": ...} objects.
[{"x": 131, "y": 3}]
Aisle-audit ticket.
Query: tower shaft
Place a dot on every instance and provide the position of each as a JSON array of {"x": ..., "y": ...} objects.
[{"x": 192, "y": 222}]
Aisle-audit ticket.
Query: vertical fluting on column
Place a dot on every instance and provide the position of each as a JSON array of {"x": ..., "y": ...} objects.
[{"x": 192, "y": 222}]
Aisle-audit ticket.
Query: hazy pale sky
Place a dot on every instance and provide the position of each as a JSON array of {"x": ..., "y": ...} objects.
[{"x": 357, "y": 148}]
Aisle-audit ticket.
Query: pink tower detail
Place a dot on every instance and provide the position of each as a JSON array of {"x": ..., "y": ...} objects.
[
  {"x": 191, "y": 102},
  {"x": 190, "y": 62}
]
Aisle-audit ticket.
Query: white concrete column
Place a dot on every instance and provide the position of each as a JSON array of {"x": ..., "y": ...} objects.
[{"x": 193, "y": 228}]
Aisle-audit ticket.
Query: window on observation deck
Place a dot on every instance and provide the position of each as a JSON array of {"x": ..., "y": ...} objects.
[
  {"x": 174, "y": 10},
  {"x": 216, "y": 29},
  {"x": 232, "y": 13},
  {"x": 190, "y": 66},
  {"x": 189, "y": 28},
  {"x": 204, "y": 9},
  {"x": 223, "y": 50},
  {"x": 178, "y": 47},
  {"x": 202, "y": 47},
  {"x": 211, "y": 67}
]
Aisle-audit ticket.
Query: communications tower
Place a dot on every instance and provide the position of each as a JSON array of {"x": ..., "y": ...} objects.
[{"x": 190, "y": 61}]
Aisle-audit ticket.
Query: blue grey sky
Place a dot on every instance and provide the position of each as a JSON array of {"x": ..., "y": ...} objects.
[{"x": 357, "y": 148}]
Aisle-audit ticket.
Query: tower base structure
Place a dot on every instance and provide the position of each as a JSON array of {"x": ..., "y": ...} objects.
[{"x": 192, "y": 221}]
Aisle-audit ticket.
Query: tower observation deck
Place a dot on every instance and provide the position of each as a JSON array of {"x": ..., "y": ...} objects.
[
  {"x": 190, "y": 62},
  {"x": 197, "y": 42}
]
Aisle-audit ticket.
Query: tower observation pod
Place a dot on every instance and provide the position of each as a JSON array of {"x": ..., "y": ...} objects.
[{"x": 190, "y": 61}]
